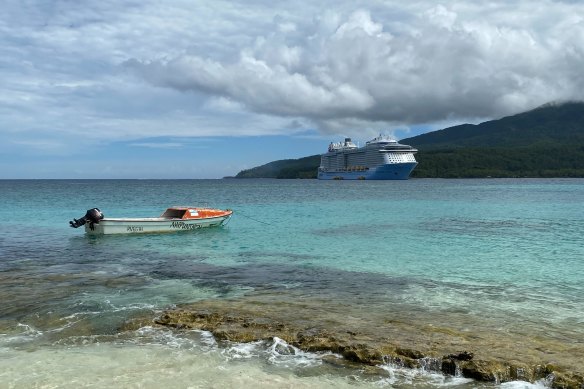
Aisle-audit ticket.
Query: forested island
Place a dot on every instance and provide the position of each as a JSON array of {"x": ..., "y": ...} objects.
[{"x": 545, "y": 142}]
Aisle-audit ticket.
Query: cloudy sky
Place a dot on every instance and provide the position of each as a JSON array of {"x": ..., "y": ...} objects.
[{"x": 203, "y": 89}]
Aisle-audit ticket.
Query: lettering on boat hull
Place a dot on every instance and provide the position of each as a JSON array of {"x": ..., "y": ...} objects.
[{"x": 184, "y": 226}]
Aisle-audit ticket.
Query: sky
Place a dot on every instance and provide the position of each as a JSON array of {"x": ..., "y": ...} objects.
[{"x": 204, "y": 89}]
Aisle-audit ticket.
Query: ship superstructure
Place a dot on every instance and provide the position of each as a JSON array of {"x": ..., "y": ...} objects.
[{"x": 382, "y": 158}]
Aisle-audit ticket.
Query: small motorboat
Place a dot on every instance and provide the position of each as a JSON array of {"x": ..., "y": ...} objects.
[{"x": 172, "y": 220}]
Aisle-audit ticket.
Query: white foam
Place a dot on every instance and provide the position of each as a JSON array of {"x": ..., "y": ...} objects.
[
  {"x": 193, "y": 340},
  {"x": 541, "y": 384},
  {"x": 152, "y": 366},
  {"x": 154, "y": 357},
  {"x": 283, "y": 354},
  {"x": 28, "y": 333},
  {"x": 242, "y": 350},
  {"x": 401, "y": 375},
  {"x": 208, "y": 339}
]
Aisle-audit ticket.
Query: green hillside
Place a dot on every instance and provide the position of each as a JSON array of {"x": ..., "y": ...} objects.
[
  {"x": 286, "y": 168},
  {"x": 544, "y": 142},
  {"x": 562, "y": 124},
  {"x": 542, "y": 160}
]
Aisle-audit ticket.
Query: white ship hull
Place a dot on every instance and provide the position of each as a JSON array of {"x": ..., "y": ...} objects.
[{"x": 397, "y": 171}]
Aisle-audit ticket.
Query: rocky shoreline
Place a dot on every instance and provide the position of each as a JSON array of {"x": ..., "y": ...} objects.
[{"x": 312, "y": 327}]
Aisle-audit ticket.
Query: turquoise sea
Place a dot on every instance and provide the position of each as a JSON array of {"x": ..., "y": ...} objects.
[{"x": 501, "y": 260}]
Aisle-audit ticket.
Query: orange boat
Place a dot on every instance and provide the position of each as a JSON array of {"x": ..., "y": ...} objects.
[{"x": 172, "y": 220}]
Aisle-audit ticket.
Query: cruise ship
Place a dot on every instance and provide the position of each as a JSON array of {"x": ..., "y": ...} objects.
[{"x": 382, "y": 158}]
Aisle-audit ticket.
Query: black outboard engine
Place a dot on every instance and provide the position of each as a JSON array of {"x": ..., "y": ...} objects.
[{"x": 92, "y": 216}]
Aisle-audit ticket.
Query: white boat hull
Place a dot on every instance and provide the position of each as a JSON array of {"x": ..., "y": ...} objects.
[{"x": 148, "y": 225}]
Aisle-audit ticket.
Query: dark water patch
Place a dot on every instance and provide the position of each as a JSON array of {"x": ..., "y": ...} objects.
[
  {"x": 351, "y": 230},
  {"x": 504, "y": 228},
  {"x": 29, "y": 292},
  {"x": 274, "y": 276},
  {"x": 255, "y": 256},
  {"x": 471, "y": 227}
]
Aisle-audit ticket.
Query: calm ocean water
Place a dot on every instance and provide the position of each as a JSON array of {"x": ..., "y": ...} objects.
[{"x": 501, "y": 259}]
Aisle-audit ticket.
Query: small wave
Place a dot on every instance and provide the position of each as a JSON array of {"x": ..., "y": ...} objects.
[
  {"x": 29, "y": 330},
  {"x": 242, "y": 350},
  {"x": 541, "y": 384},
  {"x": 28, "y": 333},
  {"x": 423, "y": 375},
  {"x": 194, "y": 340},
  {"x": 283, "y": 354},
  {"x": 183, "y": 340},
  {"x": 89, "y": 307},
  {"x": 208, "y": 339},
  {"x": 276, "y": 352}
]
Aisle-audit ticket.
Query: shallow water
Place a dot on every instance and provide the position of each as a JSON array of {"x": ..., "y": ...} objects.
[{"x": 496, "y": 259}]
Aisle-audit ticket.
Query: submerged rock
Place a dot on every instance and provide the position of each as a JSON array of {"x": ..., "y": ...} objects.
[
  {"x": 486, "y": 371},
  {"x": 462, "y": 356}
]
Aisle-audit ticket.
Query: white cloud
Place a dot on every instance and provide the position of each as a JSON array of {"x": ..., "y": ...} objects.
[
  {"x": 440, "y": 16},
  {"x": 450, "y": 62},
  {"x": 75, "y": 73}
]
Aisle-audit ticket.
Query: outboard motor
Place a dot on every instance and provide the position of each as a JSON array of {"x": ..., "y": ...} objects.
[{"x": 92, "y": 216}]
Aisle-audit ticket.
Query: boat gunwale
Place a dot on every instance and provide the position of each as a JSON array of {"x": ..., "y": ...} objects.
[{"x": 164, "y": 219}]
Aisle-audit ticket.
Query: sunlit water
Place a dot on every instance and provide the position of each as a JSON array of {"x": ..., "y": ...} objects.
[{"x": 492, "y": 256}]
